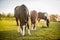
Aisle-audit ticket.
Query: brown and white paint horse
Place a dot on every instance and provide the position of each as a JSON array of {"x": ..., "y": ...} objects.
[
  {"x": 22, "y": 14},
  {"x": 43, "y": 15}
]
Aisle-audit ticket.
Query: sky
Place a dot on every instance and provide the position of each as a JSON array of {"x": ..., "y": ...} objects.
[{"x": 49, "y": 6}]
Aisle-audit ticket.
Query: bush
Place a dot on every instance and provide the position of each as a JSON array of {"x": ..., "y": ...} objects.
[
  {"x": 53, "y": 18},
  {"x": 9, "y": 15}
]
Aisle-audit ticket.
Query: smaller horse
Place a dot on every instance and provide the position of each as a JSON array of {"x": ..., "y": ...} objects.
[
  {"x": 33, "y": 17},
  {"x": 44, "y": 17}
]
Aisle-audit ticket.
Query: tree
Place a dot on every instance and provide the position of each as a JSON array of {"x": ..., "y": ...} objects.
[
  {"x": 9, "y": 15},
  {"x": 53, "y": 17},
  {"x": 3, "y": 14}
]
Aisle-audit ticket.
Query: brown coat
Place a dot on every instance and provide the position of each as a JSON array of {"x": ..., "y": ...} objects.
[{"x": 33, "y": 16}]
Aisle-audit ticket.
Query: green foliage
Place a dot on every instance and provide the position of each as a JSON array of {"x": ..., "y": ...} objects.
[
  {"x": 3, "y": 15},
  {"x": 53, "y": 18},
  {"x": 8, "y": 31},
  {"x": 9, "y": 15}
]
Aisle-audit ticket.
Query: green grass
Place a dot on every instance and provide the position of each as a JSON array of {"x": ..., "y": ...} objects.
[{"x": 8, "y": 31}]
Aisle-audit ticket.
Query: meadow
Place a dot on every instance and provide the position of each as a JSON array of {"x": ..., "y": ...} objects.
[{"x": 8, "y": 31}]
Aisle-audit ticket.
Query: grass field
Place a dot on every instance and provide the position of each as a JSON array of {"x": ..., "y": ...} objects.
[{"x": 8, "y": 31}]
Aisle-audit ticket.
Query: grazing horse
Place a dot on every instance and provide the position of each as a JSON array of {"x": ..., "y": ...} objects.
[
  {"x": 22, "y": 14},
  {"x": 33, "y": 17},
  {"x": 44, "y": 17}
]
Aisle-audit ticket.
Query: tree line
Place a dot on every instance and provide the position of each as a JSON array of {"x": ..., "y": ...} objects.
[
  {"x": 6, "y": 15},
  {"x": 52, "y": 17}
]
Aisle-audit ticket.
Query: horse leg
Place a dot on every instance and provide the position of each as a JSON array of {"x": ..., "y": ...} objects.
[
  {"x": 47, "y": 23},
  {"x": 34, "y": 26},
  {"x": 28, "y": 29},
  {"x": 17, "y": 21},
  {"x": 20, "y": 29},
  {"x": 38, "y": 21}
]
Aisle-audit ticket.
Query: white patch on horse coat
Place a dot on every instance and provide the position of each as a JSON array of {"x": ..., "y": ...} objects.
[
  {"x": 32, "y": 26},
  {"x": 45, "y": 24},
  {"x": 29, "y": 32},
  {"x": 23, "y": 33}
]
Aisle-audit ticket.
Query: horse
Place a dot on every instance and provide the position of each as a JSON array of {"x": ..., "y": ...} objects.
[
  {"x": 33, "y": 17},
  {"x": 21, "y": 13},
  {"x": 43, "y": 15}
]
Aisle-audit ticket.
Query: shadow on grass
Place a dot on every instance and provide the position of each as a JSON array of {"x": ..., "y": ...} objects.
[
  {"x": 9, "y": 35},
  {"x": 14, "y": 35}
]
